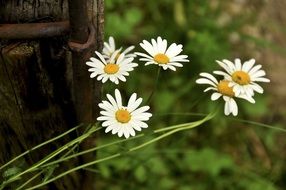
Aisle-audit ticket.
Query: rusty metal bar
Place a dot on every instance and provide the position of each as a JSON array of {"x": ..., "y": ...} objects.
[
  {"x": 34, "y": 30},
  {"x": 79, "y": 37},
  {"x": 79, "y": 20},
  {"x": 82, "y": 44},
  {"x": 77, "y": 47}
]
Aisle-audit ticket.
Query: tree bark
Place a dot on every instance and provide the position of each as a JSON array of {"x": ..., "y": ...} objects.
[{"x": 36, "y": 90}]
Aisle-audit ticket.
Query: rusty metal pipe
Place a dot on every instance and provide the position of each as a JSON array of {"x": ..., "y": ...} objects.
[
  {"x": 82, "y": 44},
  {"x": 78, "y": 20},
  {"x": 79, "y": 38},
  {"x": 34, "y": 30}
]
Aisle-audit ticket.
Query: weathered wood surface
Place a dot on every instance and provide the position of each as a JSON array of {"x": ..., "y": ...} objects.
[
  {"x": 36, "y": 87},
  {"x": 19, "y": 11}
]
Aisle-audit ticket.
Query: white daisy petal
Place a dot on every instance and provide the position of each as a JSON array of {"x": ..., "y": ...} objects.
[
  {"x": 256, "y": 88},
  {"x": 173, "y": 50},
  {"x": 140, "y": 110},
  {"x": 118, "y": 98},
  {"x": 234, "y": 108},
  {"x": 155, "y": 45},
  {"x": 215, "y": 96},
  {"x": 112, "y": 101},
  {"x": 104, "y": 79},
  {"x": 163, "y": 46},
  {"x": 142, "y": 124},
  {"x": 136, "y": 126},
  {"x": 176, "y": 64},
  {"x": 109, "y": 128},
  {"x": 257, "y": 74},
  {"x": 243, "y": 77},
  {"x": 110, "y": 47},
  {"x": 126, "y": 132},
  {"x": 127, "y": 50},
  {"x": 147, "y": 47},
  {"x": 159, "y": 54},
  {"x": 237, "y": 64},
  {"x": 254, "y": 69},
  {"x": 117, "y": 67},
  {"x": 205, "y": 81},
  {"x": 209, "y": 76},
  {"x": 115, "y": 129},
  {"x": 261, "y": 80},
  {"x": 248, "y": 98},
  {"x": 120, "y": 132},
  {"x": 227, "y": 65},
  {"x": 131, "y": 131},
  {"x": 94, "y": 74},
  {"x": 111, "y": 43},
  {"x": 100, "y": 57},
  {"x": 135, "y": 105},
  {"x": 171, "y": 67},
  {"x": 248, "y": 65},
  {"x": 123, "y": 120},
  {"x": 226, "y": 108},
  {"x": 222, "y": 89},
  {"x": 221, "y": 73},
  {"x": 209, "y": 88}
]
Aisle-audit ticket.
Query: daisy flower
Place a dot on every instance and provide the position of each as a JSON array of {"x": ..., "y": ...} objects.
[
  {"x": 109, "y": 48},
  {"x": 113, "y": 69},
  {"x": 222, "y": 89},
  {"x": 123, "y": 120},
  {"x": 159, "y": 54},
  {"x": 243, "y": 77}
]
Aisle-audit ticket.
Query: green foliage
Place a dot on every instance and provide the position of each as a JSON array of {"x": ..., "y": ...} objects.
[
  {"x": 216, "y": 156},
  {"x": 209, "y": 161},
  {"x": 11, "y": 172}
]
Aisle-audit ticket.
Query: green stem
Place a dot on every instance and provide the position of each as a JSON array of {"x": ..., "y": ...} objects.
[
  {"x": 195, "y": 124},
  {"x": 52, "y": 155},
  {"x": 75, "y": 169},
  {"x": 155, "y": 86},
  {"x": 173, "y": 127},
  {"x": 180, "y": 114},
  {"x": 89, "y": 150},
  {"x": 91, "y": 170},
  {"x": 31, "y": 179},
  {"x": 192, "y": 125},
  {"x": 258, "y": 124},
  {"x": 113, "y": 143},
  {"x": 40, "y": 145}
]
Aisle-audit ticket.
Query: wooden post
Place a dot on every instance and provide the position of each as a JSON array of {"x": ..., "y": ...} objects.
[{"x": 36, "y": 94}]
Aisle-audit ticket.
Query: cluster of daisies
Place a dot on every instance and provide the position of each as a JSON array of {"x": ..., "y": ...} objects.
[
  {"x": 114, "y": 64},
  {"x": 238, "y": 81}
]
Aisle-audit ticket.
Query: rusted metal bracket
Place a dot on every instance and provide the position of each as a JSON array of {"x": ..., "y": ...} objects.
[
  {"x": 79, "y": 47},
  {"x": 34, "y": 30}
]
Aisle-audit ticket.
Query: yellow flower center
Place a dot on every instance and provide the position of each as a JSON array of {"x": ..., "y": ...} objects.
[
  {"x": 224, "y": 89},
  {"x": 111, "y": 68},
  {"x": 122, "y": 116},
  {"x": 161, "y": 58},
  {"x": 241, "y": 77}
]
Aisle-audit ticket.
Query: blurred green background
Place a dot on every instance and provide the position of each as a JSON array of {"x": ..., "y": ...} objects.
[{"x": 224, "y": 153}]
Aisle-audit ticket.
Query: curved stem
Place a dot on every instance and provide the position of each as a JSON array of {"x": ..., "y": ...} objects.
[
  {"x": 258, "y": 124},
  {"x": 40, "y": 145},
  {"x": 90, "y": 150},
  {"x": 116, "y": 142},
  {"x": 155, "y": 86},
  {"x": 52, "y": 155},
  {"x": 195, "y": 124},
  {"x": 180, "y": 114},
  {"x": 31, "y": 179}
]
